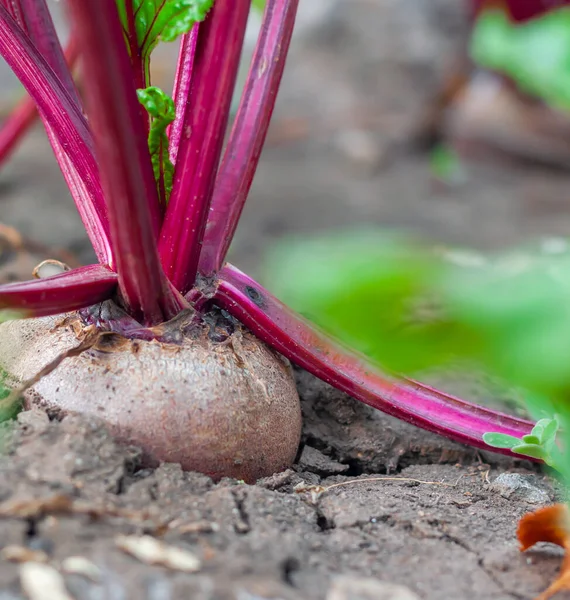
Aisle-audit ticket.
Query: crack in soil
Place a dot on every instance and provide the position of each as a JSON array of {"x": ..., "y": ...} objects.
[{"x": 241, "y": 523}]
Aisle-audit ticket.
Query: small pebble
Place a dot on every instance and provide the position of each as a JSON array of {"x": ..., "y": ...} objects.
[
  {"x": 515, "y": 486},
  {"x": 361, "y": 149},
  {"x": 359, "y": 588}
]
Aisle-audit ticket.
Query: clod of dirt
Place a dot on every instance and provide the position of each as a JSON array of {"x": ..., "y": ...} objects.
[
  {"x": 226, "y": 407},
  {"x": 521, "y": 487},
  {"x": 316, "y": 462},
  {"x": 357, "y": 588},
  {"x": 365, "y": 439}
]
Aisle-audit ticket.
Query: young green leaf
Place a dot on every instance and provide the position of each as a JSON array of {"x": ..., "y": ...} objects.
[
  {"x": 532, "y": 450},
  {"x": 500, "y": 440},
  {"x": 159, "y": 20},
  {"x": 546, "y": 429},
  {"x": 531, "y": 439},
  {"x": 161, "y": 109}
]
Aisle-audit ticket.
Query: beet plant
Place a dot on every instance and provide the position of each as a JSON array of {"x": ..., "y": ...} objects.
[{"x": 176, "y": 349}]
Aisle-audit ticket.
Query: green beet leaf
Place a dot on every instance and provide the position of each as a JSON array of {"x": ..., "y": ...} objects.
[
  {"x": 500, "y": 440},
  {"x": 161, "y": 20},
  {"x": 161, "y": 109},
  {"x": 531, "y": 450}
]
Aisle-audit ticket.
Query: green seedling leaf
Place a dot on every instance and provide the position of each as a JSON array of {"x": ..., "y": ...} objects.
[
  {"x": 500, "y": 440},
  {"x": 546, "y": 430},
  {"x": 531, "y": 439},
  {"x": 532, "y": 450},
  {"x": 161, "y": 109},
  {"x": 160, "y": 20}
]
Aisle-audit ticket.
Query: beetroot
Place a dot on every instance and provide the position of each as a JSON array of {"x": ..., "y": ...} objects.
[{"x": 210, "y": 399}]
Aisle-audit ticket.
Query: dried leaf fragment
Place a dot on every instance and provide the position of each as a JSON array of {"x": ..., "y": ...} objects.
[
  {"x": 549, "y": 524},
  {"x": 42, "y": 582},
  {"x": 151, "y": 551}
]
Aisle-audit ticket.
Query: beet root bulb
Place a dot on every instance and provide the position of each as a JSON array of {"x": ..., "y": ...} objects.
[{"x": 226, "y": 409}]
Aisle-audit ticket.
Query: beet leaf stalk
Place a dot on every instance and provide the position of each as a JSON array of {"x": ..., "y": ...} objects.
[
  {"x": 303, "y": 344},
  {"x": 216, "y": 61},
  {"x": 61, "y": 113},
  {"x": 249, "y": 131},
  {"x": 25, "y": 113},
  {"x": 123, "y": 155}
]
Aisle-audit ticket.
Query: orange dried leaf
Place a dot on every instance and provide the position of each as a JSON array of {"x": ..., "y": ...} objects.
[{"x": 549, "y": 524}]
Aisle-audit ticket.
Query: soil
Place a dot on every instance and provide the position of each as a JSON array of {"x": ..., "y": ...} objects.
[{"x": 414, "y": 509}]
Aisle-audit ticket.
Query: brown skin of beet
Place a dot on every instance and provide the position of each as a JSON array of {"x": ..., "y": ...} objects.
[{"x": 226, "y": 409}]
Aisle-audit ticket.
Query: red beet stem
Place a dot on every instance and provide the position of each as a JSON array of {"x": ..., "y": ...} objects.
[
  {"x": 181, "y": 92},
  {"x": 248, "y": 134},
  {"x": 217, "y": 55},
  {"x": 126, "y": 170},
  {"x": 66, "y": 126},
  {"x": 303, "y": 344},
  {"x": 61, "y": 293}
]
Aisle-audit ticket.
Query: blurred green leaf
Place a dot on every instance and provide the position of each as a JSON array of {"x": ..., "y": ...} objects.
[
  {"x": 445, "y": 164},
  {"x": 258, "y": 5},
  {"x": 535, "y": 54},
  {"x": 372, "y": 290}
]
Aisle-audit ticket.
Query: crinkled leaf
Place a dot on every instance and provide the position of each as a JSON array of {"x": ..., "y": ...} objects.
[
  {"x": 161, "y": 109},
  {"x": 500, "y": 440},
  {"x": 162, "y": 20}
]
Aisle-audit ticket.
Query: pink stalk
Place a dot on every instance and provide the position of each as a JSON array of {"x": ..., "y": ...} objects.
[
  {"x": 34, "y": 18},
  {"x": 303, "y": 344},
  {"x": 25, "y": 113},
  {"x": 65, "y": 124},
  {"x": 137, "y": 66},
  {"x": 181, "y": 90},
  {"x": 218, "y": 49},
  {"x": 126, "y": 170},
  {"x": 248, "y": 134},
  {"x": 61, "y": 293}
]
